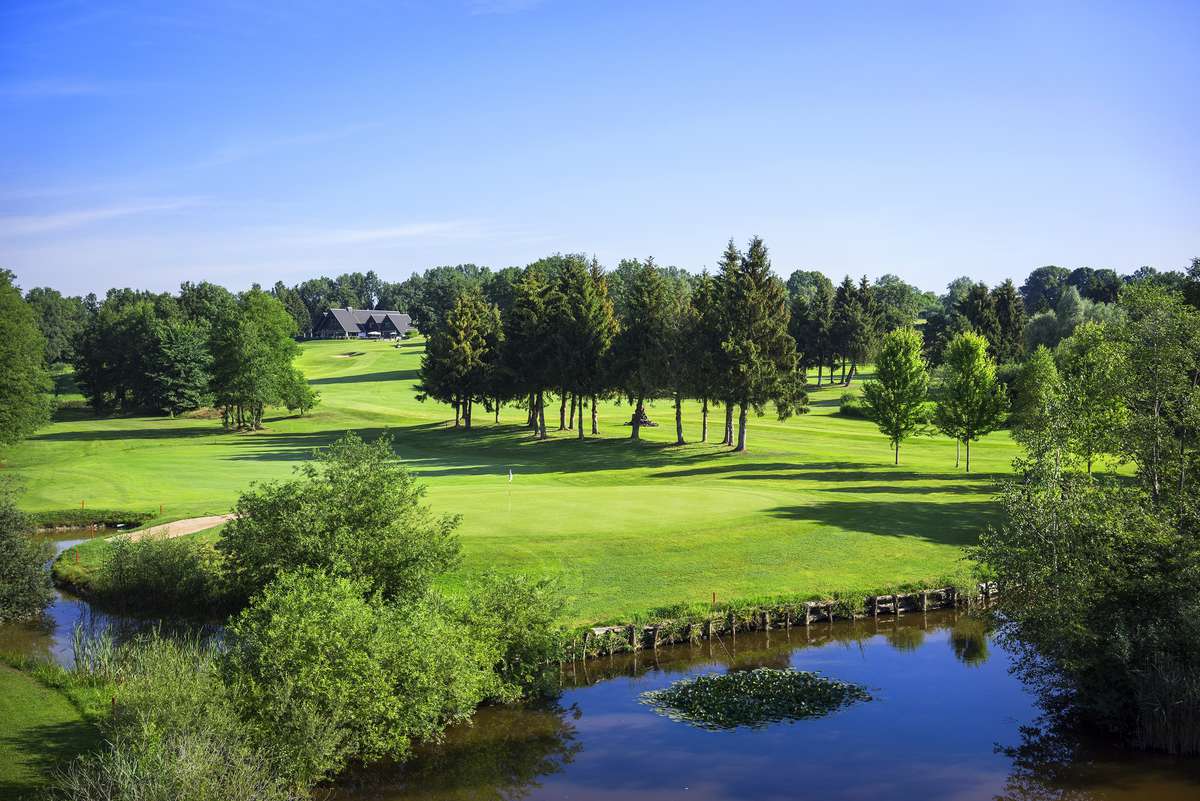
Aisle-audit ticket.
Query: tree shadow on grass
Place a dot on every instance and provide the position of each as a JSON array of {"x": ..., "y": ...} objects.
[
  {"x": 950, "y": 523},
  {"x": 487, "y": 450},
  {"x": 42, "y": 748},
  {"x": 108, "y": 434},
  {"x": 359, "y": 378},
  {"x": 886, "y": 478}
]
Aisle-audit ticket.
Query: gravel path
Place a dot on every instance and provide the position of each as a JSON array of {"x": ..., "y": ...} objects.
[{"x": 178, "y": 528}]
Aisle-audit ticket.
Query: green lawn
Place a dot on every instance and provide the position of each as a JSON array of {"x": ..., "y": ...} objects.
[
  {"x": 814, "y": 506},
  {"x": 39, "y": 728}
]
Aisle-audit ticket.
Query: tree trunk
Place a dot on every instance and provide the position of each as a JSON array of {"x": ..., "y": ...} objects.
[
  {"x": 843, "y": 371},
  {"x": 595, "y": 419},
  {"x": 968, "y": 445},
  {"x": 467, "y": 414},
  {"x": 679, "y": 420},
  {"x": 853, "y": 371},
  {"x": 897, "y": 453},
  {"x": 741, "y": 443},
  {"x": 457, "y": 413},
  {"x": 957, "y": 445},
  {"x": 581, "y": 418},
  {"x": 727, "y": 439},
  {"x": 820, "y": 367},
  {"x": 542, "y": 416},
  {"x": 497, "y": 410},
  {"x": 636, "y": 429},
  {"x": 704, "y": 421},
  {"x": 562, "y": 411},
  {"x": 571, "y": 419},
  {"x": 532, "y": 421}
]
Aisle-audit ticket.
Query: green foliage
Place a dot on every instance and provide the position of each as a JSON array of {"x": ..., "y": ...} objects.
[
  {"x": 326, "y": 675},
  {"x": 1093, "y": 364},
  {"x": 60, "y": 319},
  {"x": 971, "y": 403},
  {"x": 25, "y": 588},
  {"x": 753, "y": 698},
  {"x": 25, "y": 399},
  {"x": 1043, "y": 287},
  {"x": 252, "y": 350},
  {"x": 1037, "y": 409},
  {"x": 179, "y": 366},
  {"x": 1097, "y": 576},
  {"x": 354, "y": 511},
  {"x": 520, "y": 615},
  {"x": 462, "y": 355},
  {"x": 298, "y": 395},
  {"x": 1010, "y": 315},
  {"x": 171, "y": 732},
  {"x": 178, "y": 575},
  {"x": 87, "y": 517},
  {"x": 896, "y": 398},
  {"x": 641, "y": 350}
]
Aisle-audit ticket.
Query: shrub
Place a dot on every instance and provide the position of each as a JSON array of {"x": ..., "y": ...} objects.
[
  {"x": 519, "y": 615},
  {"x": 172, "y": 733},
  {"x": 355, "y": 512},
  {"x": 176, "y": 574},
  {"x": 25, "y": 588},
  {"x": 312, "y": 654},
  {"x": 86, "y": 518}
]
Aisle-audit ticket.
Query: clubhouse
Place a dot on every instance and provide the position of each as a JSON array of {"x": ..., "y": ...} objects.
[{"x": 362, "y": 324}]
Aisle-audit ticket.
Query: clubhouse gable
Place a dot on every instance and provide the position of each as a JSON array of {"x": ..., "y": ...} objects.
[{"x": 362, "y": 324}]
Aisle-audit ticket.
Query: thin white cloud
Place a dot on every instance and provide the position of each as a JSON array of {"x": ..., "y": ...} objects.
[
  {"x": 238, "y": 151},
  {"x": 33, "y": 224}
]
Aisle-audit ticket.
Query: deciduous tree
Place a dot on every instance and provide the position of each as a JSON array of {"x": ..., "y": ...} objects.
[{"x": 896, "y": 397}]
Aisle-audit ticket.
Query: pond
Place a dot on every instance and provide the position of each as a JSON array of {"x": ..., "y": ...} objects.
[{"x": 943, "y": 721}]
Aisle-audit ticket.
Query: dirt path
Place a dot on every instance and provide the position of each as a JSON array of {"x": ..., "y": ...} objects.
[{"x": 178, "y": 528}]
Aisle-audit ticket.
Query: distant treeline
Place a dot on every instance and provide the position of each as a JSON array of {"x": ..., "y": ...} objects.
[{"x": 204, "y": 345}]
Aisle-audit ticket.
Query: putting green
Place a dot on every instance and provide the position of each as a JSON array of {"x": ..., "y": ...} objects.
[{"x": 816, "y": 505}]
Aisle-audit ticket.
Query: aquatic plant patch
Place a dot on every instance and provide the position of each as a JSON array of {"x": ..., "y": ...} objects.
[{"x": 753, "y": 698}]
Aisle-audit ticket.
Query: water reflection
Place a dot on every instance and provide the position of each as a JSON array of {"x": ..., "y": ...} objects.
[
  {"x": 949, "y": 721},
  {"x": 50, "y": 635},
  {"x": 932, "y": 732}
]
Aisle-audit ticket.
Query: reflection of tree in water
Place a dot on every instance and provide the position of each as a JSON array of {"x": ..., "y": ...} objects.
[
  {"x": 906, "y": 638},
  {"x": 500, "y": 755},
  {"x": 1045, "y": 766},
  {"x": 969, "y": 639}
]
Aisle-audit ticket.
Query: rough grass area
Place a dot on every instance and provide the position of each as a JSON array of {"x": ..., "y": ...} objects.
[
  {"x": 39, "y": 729},
  {"x": 815, "y": 507},
  {"x": 752, "y": 698}
]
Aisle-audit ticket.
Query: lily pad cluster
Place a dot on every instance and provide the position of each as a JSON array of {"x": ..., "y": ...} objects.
[{"x": 752, "y": 698}]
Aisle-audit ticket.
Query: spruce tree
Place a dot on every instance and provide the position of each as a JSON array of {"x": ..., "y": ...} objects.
[
  {"x": 761, "y": 352},
  {"x": 896, "y": 397},
  {"x": 1010, "y": 315},
  {"x": 979, "y": 308},
  {"x": 641, "y": 349},
  {"x": 461, "y": 355}
]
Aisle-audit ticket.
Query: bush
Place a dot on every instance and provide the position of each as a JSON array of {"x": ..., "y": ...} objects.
[
  {"x": 25, "y": 588},
  {"x": 312, "y": 656},
  {"x": 172, "y": 733},
  {"x": 519, "y": 614},
  {"x": 176, "y": 574},
  {"x": 354, "y": 512},
  {"x": 86, "y": 518}
]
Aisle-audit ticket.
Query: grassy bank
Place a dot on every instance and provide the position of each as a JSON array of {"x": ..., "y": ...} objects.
[
  {"x": 815, "y": 507},
  {"x": 39, "y": 729}
]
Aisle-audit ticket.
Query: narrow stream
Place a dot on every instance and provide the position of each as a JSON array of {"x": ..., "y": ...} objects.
[{"x": 944, "y": 719}]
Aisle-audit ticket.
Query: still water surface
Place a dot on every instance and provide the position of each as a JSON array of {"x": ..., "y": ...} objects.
[{"x": 946, "y": 714}]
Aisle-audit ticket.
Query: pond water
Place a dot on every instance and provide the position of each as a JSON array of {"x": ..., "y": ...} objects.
[{"x": 947, "y": 721}]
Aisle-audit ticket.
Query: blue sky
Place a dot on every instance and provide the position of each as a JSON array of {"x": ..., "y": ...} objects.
[{"x": 148, "y": 143}]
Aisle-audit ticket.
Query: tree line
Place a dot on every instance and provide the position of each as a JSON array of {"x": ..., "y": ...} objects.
[
  {"x": 563, "y": 327},
  {"x": 157, "y": 352}
]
